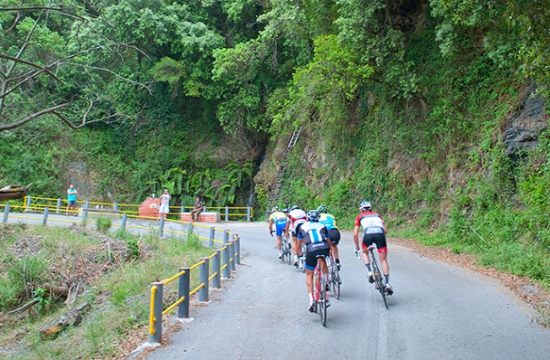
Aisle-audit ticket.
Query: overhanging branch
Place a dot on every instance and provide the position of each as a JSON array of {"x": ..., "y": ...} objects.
[{"x": 34, "y": 116}]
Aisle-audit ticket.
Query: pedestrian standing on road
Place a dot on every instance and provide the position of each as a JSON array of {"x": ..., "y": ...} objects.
[
  {"x": 164, "y": 203},
  {"x": 71, "y": 199}
]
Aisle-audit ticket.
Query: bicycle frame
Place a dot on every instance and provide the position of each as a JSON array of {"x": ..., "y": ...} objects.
[
  {"x": 287, "y": 249},
  {"x": 334, "y": 276},
  {"x": 320, "y": 294},
  {"x": 379, "y": 281}
]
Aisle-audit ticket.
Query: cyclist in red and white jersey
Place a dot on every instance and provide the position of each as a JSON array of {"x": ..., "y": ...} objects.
[
  {"x": 374, "y": 231},
  {"x": 295, "y": 218}
]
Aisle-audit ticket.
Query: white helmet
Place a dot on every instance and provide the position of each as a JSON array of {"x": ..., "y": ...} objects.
[{"x": 365, "y": 205}]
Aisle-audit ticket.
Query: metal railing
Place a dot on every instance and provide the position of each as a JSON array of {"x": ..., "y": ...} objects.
[
  {"x": 158, "y": 227},
  {"x": 34, "y": 204},
  {"x": 211, "y": 269}
]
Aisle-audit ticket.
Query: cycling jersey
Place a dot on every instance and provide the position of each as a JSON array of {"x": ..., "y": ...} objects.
[
  {"x": 329, "y": 221},
  {"x": 296, "y": 217},
  {"x": 371, "y": 222},
  {"x": 279, "y": 219},
  {"x": 314, "y": 235}
]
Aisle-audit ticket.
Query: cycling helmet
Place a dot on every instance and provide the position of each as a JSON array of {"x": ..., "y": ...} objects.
[
  {"x": 275, "y": 208},
  {"x": 313, "y": 215},
  {"x": 294, "y": 207},
  {"x": 322, "y": 209},
  {"x": 365, "y": 205}
]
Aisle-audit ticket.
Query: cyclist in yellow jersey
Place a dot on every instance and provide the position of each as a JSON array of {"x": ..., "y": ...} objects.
[
  {"x": 330, "y": 223},
  {"x": 277, "y": 218}
]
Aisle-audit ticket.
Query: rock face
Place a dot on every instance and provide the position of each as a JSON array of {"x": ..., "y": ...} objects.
[{"x": 527, "y": 124}]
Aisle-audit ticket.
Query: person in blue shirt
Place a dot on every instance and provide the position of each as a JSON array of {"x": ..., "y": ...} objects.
[{"x": 71, "y": 199}]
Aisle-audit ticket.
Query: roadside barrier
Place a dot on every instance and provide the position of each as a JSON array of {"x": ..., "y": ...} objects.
[
  {"x": 211, "y": 269},
  {"x": 155, "y": 226},
  {"x": 34, "y": 203}
]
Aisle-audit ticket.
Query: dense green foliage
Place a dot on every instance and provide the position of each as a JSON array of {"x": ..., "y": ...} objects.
[
  {"x": 107, "y": 274},
  {"x": 403, "y": 103}
]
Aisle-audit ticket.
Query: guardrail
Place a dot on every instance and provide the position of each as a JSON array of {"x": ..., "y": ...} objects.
[
  {"x": 34, "y": 203},
  {"x": 211, "y": 269},
  {"x": 155, "y": 226}
]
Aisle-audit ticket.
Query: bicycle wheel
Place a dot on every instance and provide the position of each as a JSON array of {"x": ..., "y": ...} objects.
[
  {"x": 378, "y": 279},
  {"x": 289, "y": 254},
  {"x": 336, "y": 283},
  {"x": 323, "y": 302}
]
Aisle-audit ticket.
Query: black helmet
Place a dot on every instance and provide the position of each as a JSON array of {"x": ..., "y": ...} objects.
[{"x": 313, "y": 215}]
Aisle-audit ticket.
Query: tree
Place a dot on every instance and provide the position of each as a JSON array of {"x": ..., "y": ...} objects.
[{"x": 53, "y": 63}]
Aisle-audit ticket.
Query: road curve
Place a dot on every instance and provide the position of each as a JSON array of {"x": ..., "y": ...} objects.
[{"x": 438, "y": 311}]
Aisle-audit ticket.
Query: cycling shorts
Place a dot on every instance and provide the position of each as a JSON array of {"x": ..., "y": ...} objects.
[
  {"x": 312, "y": 255},
  {"x": 334, "y": 236},
  {"x": 296, "y": 228},
  {"x": 280, "y": 227},
  {"x": 377, "y": 238}
]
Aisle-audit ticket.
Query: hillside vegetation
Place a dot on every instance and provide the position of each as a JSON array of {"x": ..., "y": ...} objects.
[
  {"x": 50, "y": 273},
  {"x": 435, "y": 111}
]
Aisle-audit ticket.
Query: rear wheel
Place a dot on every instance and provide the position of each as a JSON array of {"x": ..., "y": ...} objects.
[
  {"x": 323, "y": 302},
  {"x": 336, "y": 283},
  {"x": 381, "y": 287}
]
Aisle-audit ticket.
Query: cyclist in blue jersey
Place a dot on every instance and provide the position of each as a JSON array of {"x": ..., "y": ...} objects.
[
  {"x": 277, "y": 218},
  {"x": 330, "y": 223},
  {"x": 316, "y": 237}
]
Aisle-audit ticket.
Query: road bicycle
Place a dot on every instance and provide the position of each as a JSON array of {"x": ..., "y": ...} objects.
[
  {"x": 286, "y": 248},
  {"x": 302, "y": 259},
  {"x": 320, "y": 295},
  {"x": 334, "y": 279},
  {"x": 379, "y": 282}
]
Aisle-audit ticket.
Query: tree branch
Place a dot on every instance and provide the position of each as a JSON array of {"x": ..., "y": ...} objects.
[
  {"x": 41, "y": 68},
  {"x": 47, "y": 8},
  {"x": 32, "y": 117}
]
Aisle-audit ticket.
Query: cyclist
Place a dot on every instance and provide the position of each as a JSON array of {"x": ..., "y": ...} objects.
[
  {"x": 330, "y": 222},
  {"x": 374, "y": 231},
  {"x": 277, "y": 218},
  {"x": 316, "y": 237},
  {"x": 295, "y": 218}
]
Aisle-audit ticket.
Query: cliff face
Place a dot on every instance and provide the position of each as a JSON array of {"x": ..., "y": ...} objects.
[{"x": 526, "y": 123}]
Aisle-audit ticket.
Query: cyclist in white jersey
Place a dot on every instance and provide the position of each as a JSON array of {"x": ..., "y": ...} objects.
[
  {"x": 374, "y": 231},
  {"x": 295, "y": 218}
]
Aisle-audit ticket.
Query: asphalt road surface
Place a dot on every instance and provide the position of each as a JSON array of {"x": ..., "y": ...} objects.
[{"x": 438, "y": 312}]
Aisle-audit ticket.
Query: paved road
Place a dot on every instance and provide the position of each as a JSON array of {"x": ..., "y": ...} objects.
[{"x": 438, "y": 312}]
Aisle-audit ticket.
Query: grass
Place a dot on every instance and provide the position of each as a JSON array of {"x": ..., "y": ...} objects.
[{"x": 114, "y": 281}]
